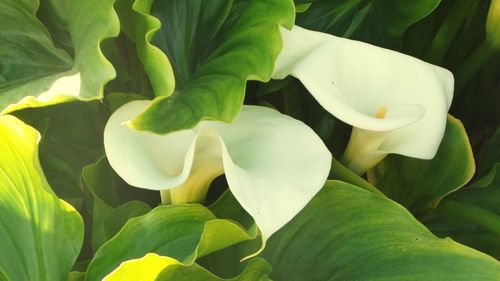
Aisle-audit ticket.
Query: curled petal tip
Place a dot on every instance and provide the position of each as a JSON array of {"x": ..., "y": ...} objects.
[{"x": 402, "y": 98}]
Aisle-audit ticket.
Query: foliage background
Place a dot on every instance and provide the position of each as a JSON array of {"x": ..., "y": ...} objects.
[{"x": 126, "y": 50}]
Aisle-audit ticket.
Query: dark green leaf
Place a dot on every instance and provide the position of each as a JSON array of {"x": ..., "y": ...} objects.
[
  {"x": 489, "y": 154},
  {"x": 114, "y": 202},
  {"x": 214, "y": 47},
  {"x": 380, "y": 22},
  {"x": 472, "y": 215},
  {"x": 72, "y": 136},
  {"x": 347, "y": 233}
]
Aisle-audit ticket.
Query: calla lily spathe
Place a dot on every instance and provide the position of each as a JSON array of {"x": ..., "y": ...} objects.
[
  {"x": 273, "y": 163},
  {"x": 396, "y": 103}
]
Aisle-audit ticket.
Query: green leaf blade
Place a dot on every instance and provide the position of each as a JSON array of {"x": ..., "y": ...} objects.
[
  {"x": 380, "y": 22},
  {"x": 347, "y": 233},
  {"x": 20, "y": 28},
  {"x": 31, "y": 63},
  {"x": 181, "y": 232},
  {"x": 418, "y": 184},
  {"x": 242, "y": 49},
  {"x": 157, "y": 268},
  {"x": 472, "y": 215},
  {"x": 42, "y": 235}
]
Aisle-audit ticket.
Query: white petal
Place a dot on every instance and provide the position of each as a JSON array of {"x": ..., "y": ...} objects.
[
  {"x": 205, "y": 167},
  {"x": 274, "y": 164},
  {"x": 353, "y": 80},
  {"x": 185, "y": 162},
  {"x": 145, "y": 159}
]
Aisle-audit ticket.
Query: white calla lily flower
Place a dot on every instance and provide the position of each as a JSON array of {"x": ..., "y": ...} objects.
[
  {"x": 273, "y": 163},
  {"x": 396, "y": 103}
]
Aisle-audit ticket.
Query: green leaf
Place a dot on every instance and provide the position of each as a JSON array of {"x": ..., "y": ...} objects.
[
  {"x": 76, "y": 276},
  {"x": 213, "y": 47},
  {"x": 20, "y": 26},
  {"x": 226, "y": 262},
  {"x": 114, "y": 202},
  {"x": 328, "y": 16},
  {"x": 348, "y": 233},
  {"x": 30, "y": 62},
  {"x": 156, "y": 268},
  {"x": 72, "y": 137},
  {"x": 472, "y": 215},
  {"x": 227, "y": 207},
  {"x": 41, "y": 235},
  {"x": 380, "y": 22},
  {"x": 342, "y": 173},
  {"x": 107, "y": 221},
  {"x": 140, "y": 27},
  {"x": 420, "y": 184},
  {"x": 111, "y": 190},
  {"x": 182, "y": 232},
  {"x": 489, "y": 154},
  {"x": 115, "y": 100}
]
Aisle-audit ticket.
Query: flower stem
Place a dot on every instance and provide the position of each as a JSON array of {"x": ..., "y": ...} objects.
[
  {"x": 195, "y": 188},
  {"x": 448, "y": 30},
  {"x": 192, "y": 191},
  {"x": 473, "y": 64},
  {"x": 362, "y": 152},
  {"x": 479, "y": 216},
  {"x": 165, "y": 197}
]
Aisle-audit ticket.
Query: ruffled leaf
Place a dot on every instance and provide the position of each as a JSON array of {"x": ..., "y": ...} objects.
[
  {"x": 36, "y": 72},
  {"x": 214, "y": 47}
]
